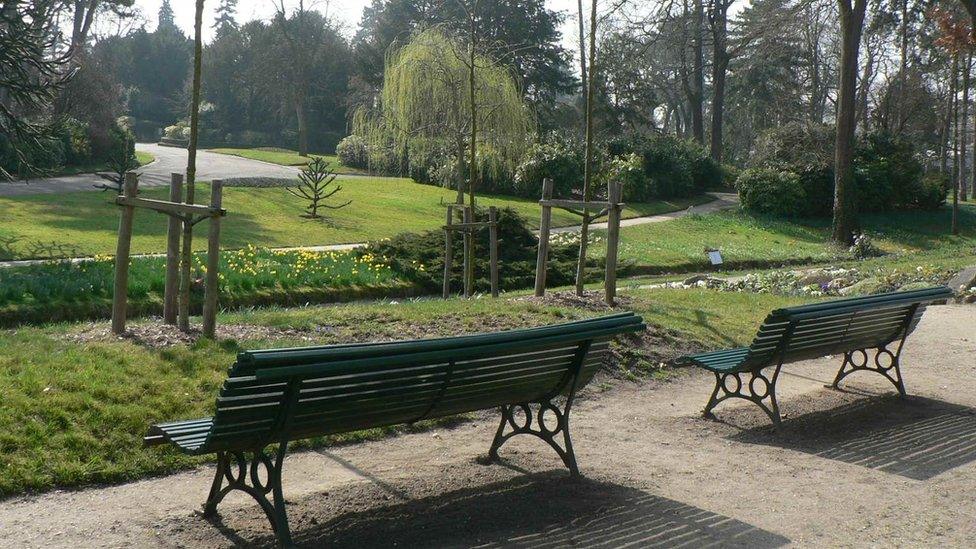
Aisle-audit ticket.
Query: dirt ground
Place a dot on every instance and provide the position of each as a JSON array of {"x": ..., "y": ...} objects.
[{"x": 859, "y": 468}]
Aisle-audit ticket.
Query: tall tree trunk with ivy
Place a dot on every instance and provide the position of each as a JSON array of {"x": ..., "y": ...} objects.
[
  {"x": 588, "y": 162},
  {"x": 845, "y": 208},
  {"x": 186, "y": 257}
]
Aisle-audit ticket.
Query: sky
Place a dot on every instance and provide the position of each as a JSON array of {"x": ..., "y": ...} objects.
[{"x": 348, "y": 12}]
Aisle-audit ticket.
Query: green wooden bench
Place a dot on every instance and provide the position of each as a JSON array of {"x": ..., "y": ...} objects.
[
  {"x": 851, "y": 327},
  {"x": 272, "y": 397}
]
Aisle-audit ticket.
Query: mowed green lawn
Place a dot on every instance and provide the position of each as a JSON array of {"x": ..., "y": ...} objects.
[
  {"x": 746, "y": 239},
  {"x": 74, "y": 412},
  {"x": 86, "y": 223},
  {"x": 285, "y": 157}
]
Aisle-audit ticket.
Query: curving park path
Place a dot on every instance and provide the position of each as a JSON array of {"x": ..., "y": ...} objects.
[{"x": 157, "y": 173}]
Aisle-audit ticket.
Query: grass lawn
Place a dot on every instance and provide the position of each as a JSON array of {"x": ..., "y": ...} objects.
[
  {"x": 286, "y": 157},
  {"x": 745, "y": 239},
  {"x": 86, "y": 223},
  {"x": 74, "y": 412}
]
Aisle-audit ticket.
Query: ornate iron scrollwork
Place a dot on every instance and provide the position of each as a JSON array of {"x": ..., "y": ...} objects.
[
  {"x": 757, "y": 390},
  {"x": 255, "y": 474},
  {"x": 884, "y": 362}
]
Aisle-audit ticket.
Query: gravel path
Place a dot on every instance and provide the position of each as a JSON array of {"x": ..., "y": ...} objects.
[{"x": 858, "y": 468}]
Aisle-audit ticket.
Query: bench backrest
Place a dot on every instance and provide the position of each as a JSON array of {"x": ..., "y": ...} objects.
[
  {"x": 838, "y": 326},
  {"x": 289, "y": 394}
]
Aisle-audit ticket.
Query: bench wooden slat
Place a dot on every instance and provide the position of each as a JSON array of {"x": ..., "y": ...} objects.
[{"x": 283, "y": 357}]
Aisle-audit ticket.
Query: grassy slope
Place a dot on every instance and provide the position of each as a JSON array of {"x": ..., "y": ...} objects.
[
  {"x": 381, "y": 207},
  {"x": 742, "y": 237},
  {"x": 73, "y": 413},
  {"x": 285, "y": 157}
]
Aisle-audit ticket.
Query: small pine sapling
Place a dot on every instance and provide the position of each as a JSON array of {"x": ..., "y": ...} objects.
[
  {"x": 120, "y": 160},
  {"x": 316, "y": 185}
]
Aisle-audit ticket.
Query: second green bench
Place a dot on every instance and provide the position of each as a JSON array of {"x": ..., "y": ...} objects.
[{"x": 869, "y": 332}]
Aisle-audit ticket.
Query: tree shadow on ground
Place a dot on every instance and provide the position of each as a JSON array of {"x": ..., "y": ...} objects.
[
  {"x": 538, "y": 511},
  {"x": 914, "y": 437}
]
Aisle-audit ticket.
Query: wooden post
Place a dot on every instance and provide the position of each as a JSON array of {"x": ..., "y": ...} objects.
[
  {"x": 468, "y": 237},
  {"x": 172, "y": 286},
  {"x": 448, "y": 251},
  {"x": 542, "y": 259},
  {"x": 213, "y": 262},
  {"x": 613, "y": 241},
  {"x": 120, "y": 292},
  {"x": 493, "y": 244}
]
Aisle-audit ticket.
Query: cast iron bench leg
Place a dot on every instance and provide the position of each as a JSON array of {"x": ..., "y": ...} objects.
[
  {"x": 537, "y": 423},
  {"x": 885, "y": 362},
  {"x": 758, "y": 389},
  {"x": 244, "y": 474}
]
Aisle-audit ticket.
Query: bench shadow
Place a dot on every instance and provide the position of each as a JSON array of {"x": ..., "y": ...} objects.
[
  {"x": 538, "y": 511},
  {"x": 914, "y": 437}
]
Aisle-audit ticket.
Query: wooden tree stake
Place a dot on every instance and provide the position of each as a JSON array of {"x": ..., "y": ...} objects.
[
  {"x": 120, "y": 293},
  {"x": 172, "y": 285},
  {"x": 186, "y": 260},
  {"x": 493, "y": 245},
  {"x": 613, "y": 241},
  {"x": 544, "y": 224},
  {"x": 213, "y": 262},
  {"x": 448, "y": 251}
]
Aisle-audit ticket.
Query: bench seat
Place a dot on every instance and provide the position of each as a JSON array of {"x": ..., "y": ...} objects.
[
  {"x": 731, "y": 360},
  {"x": 188, "y": 435}
]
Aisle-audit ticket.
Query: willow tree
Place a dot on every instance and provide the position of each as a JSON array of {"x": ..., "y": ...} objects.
[{"x": 441, "y": 96}]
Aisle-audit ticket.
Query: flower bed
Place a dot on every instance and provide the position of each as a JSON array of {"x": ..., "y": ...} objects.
[{"x": 62, "y": 290}]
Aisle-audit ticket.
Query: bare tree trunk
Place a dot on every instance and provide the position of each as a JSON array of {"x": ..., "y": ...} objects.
[
  {"x": 582, "y": 47},
  {"x": 473, "y": 170},
  {"x": 954, "y": 110},
  {"x": 588, "y": 163},
  {"x": 719, "y": 19},
  {"x": 903, "y": 60},
  {"x": 698, "y": 77},
  {"x": 964, "y": 129},
  {"x": 302, "y": 117},
  {"x": 954, "y": 118},
  {"x": 83, "y": 17},
  {"x": 945, "y": 130},
  {"x": 191, "y": 171},
  {"x": 845, "y": 208},
  {"x": 864, "y": 89}
]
